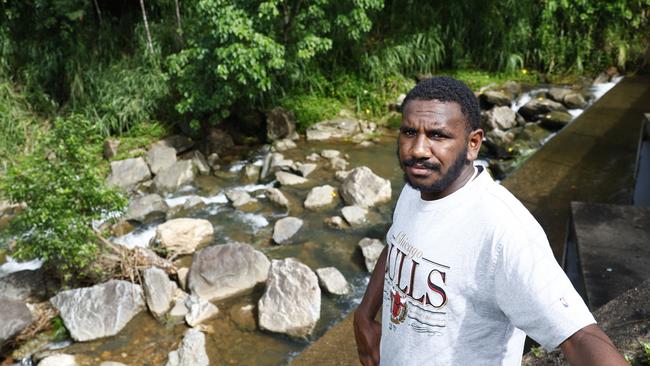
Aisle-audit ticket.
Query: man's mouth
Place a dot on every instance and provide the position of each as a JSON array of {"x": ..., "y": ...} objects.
[{"x": 416, "y": 168}]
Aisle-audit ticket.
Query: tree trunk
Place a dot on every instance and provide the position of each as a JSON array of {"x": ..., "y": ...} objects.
[
  {"x": 99, "y": 12},
  {"x": 178, "y": 21},
  {"x": 146, "y": 27}
]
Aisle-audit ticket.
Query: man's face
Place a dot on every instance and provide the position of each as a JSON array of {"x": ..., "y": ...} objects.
[{"x": 435, "y": 146}]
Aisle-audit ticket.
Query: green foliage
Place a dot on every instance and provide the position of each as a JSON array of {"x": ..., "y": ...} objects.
[
  {"x": 64, "y": 193},
  {"x": 310, "y": 109}
]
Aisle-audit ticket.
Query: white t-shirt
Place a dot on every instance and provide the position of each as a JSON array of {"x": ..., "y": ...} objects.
[{"x": 466, "y": 276}]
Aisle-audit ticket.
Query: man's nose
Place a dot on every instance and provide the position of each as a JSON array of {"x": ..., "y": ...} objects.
[{"x": 421, "y": 148}]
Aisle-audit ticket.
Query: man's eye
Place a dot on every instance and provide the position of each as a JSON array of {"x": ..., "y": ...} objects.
[{"x": 408, "y": 132}]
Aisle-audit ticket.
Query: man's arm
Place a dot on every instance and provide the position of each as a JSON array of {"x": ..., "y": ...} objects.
[
  {"x": 591, "y": 346},
  {"x": 367, "y": 331}
]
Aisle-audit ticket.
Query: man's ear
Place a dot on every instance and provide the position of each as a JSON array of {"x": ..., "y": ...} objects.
[{"x": 474, "y": 144}]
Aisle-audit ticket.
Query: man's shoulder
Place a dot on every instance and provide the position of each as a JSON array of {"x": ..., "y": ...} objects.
[{"x": 500, "y": 204}]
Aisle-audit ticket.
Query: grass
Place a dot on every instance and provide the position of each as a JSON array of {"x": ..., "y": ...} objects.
[{"x": 476, "y": 79}]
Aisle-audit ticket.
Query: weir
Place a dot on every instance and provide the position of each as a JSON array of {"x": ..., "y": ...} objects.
[{"x": 594, "y": 159}]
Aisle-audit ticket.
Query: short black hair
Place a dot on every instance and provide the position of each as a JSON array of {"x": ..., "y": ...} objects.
[{"x": 448, "y": 89}]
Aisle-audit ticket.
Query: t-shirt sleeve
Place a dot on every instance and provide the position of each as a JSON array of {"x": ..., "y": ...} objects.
[{"x": 533, "y": 291}]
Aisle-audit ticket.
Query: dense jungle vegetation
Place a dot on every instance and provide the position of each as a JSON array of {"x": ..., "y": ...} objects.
[{"x": 141, "y": 69}]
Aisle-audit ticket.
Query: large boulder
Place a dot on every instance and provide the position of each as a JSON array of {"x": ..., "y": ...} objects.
[
  {"x": 491, "y": 98},
  {"x": 14, "y": 317},
  {"x": 110, "y": 148},
  {"x": 557, "y": 94},
  {"x": 99, "y": 311},
  {"x": 500, "y": 117},
  {"x": 288, "y": 179},
  {"x": 221, "y": 271},
  {"x": 277, "y": 197},
  {"x": 184, "y": 235},
  {"x": 285, "y": 229},
  {"x": 332, "y": 281},
  {"x": 191, "y": 352},
  {"x": 555, "y": 120},
  {"x": 158, "y": 291},
  {"x": 239, "y": 198},
  {"x": 354, "y": 215},
  {"x": 147, "y": 208},
  {"x": 199, "y": 310},
  {"x": 126, "y": 174},
  {"x": 292, "y": 299},
  {"x": 538, "y": 107},
  {"x": 364, "y": 188},
  {"x": 320, "y": 197},
  {"x": 371, "y": 250},
  {"x": 175, "y": 176},
  {"x": 575, "y": 100},
  {"x": 160, "y": 156},
  {"x": 25, "y": 285},
  {"x": 340, "y": 128},
  {"x": 280, "y": 123}
]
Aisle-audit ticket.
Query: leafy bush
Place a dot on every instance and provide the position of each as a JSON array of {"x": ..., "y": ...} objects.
[
  {"x": 20, "y": 128},
  {"x": 310, "y": 109},
  {"x": 64, "y": 193}
]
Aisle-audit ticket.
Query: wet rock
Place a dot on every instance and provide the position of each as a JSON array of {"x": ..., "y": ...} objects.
[
  {"x": 199, "y": 310},
  {"x": 292, "y": 299},
  {"x": 99, "y": 311},
  {"x": 126, "y": 174},
  {"x": 122, "y": 227},
  {"x": 14, "y": 317},
  {"x": 180, "y": 143},
  {"x": 251, "y": 172},
  {"x": 25, "y": 285},
  {"x": 500, "y": 138},
  {"x": 575, "y": 101},
  {"x": 340, "y": 128},
  {"x": 330, "y": 154},
  {"x": 110, "y": 148},
  {"x": 243, "y": 317},
  {"x": 512, "y": 87},
  {"x": 320, "y": 197},
  {"x": 239, "y": 198},
  {"x": 332, "y": 281},
  {"x": 147, "y": 208},
  {"x": 555, "y": 120},
  {"x": 280, "y": 123},
  {"x": 111, "y": 363},
  {"x": 58, "y": 360},
  {"x": 182, "y": 273},
  {"x": 313, "y": 157},
  {"x": 213, "y": 161},
  {"x": 341, "y": 175},
  {"x": 191, "y": 352},
  {"x": 286, "y": 228},
  {"x": 335, "y": 221},
  {"x": 305, "y": 168},
  {"x": 200, "y": 163},
  {"x": 500, "y": 117},
  {"x": 160, "y": 157},
  {"x": 558, "y": 94},
  {"x": 178, "y": 310},
  {"x": 491, "y": 98},
  {"x": 221, "y": 271},
  {"x": 536, "y": 108},
  {"x": 354, "y": 215},
  {"x": 277, "y": 197},
  {"x": 158, "y": 291},
  {"x": 364, "y": 188},
  {"x": 193, "y": 203},
  {"x": 288, "y": 179},
  {"x": 175, "y": 176},
  {"x": 338, "y": 163},
  {"x": 279, "y": 162},
  {"x": 184, "y": 235},
  {"x": 284, "y": 145},
  {"x": 371, "y": 250}
]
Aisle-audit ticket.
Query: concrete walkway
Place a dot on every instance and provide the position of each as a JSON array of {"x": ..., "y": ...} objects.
[{"x": 591, "y": 160}]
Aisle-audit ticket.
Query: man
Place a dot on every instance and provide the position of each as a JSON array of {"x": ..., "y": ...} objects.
[{"x": 467, "y": 271}]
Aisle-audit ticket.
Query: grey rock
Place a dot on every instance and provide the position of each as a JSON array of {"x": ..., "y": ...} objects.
[
  {"x": 110, "y": 148},
  {"x": 14, "y": 317},
  {"x": 500, "y": 117},
  {"x": 332, "y": 281},
  {"x": 59, "y": 360},
  {"x": 341, "y": 175},
  {"x": 112, "y": 363},
  {"x": 340, "y": 128},
  {"x": 200, "y": 163},
  {"x": 251, "y": 172},
  {"x": 364, "y": 188},
  {"x": 371, "y": 250},
  {"x": 354, "y": 215},
  {"x": 305, "y": 168},
  {"x": 182, "y": 273},
  {"x": 175, "y": 176},
  {"x": 193, "y": 202},
  {"x": 222, "y": 271},
  {"x": 158, "y": 291},
  {"x": 280, "y": 123},
  {"x": 512, "y": 87},
  {"x": 284, "y": 145},
  {"x": 285, "y": 229},
  {"x": 288, "y": 179},
  {"x": 126, "y": 174},
  {"x": 558, "y": 94},
  {"x": 335, "y": 222},
  {"x": 191, "y": 352},
  {"x": 536, "y": 108},
  {"x": 495, "y": 98},
  {"x": 25, "y": 285},
  {"x": 239, "y": 198},
  {"x": 147, "y": 208},
  {"x": 99, "y": 311},
  {"x": 179, "y": 309},
  {"x": 277, "y": 197},
  {"x": 575, "y": 100},
  {"x": 292, "y": 299},
  {"x": 320, "y": 197},
  {"x": 556, "y": 120},
  {"x": 160, "y": 156},
  {"x": 500, "y": 138},
  {"x": 329, "y": 154},
  {"x": 179, "y": 142},
  {"x": 313, "y": 157},
  {"x": 338, "y": 163},
  {"x": 213, "y": 161},
  {"x": 184, "y": 235},
  {"x": 199, "y": 310}
]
